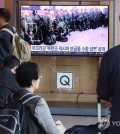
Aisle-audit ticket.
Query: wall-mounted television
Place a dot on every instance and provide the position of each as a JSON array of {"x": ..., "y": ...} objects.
[{"x": 66, "y": 30}]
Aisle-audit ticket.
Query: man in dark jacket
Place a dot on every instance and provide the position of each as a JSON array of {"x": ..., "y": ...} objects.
[
  {"x": 109, "y": 85},
  {"x": 5, "y": 37},
  {"x": 8, "y": 83}
]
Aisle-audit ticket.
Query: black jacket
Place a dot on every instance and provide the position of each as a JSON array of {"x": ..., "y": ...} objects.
[
  {"x": 8, "y": 84},
  {"x": 5, "y": 43},
  {"x": 109, "y": 85}
]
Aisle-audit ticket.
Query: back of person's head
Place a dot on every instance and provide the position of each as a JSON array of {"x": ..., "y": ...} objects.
[
  {"x": 10, "y": 62},
  {"x": 26, "y": 73},
  {"x": 5, "y": 14}
]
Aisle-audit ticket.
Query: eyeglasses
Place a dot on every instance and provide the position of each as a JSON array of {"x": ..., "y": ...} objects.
[{"x": 40, "y": 77}]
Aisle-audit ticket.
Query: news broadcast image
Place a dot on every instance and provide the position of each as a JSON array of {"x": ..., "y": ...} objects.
[{"x": 66, "y": 30}]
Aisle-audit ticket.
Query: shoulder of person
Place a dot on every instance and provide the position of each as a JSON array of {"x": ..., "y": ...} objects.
[
  {"x": 42, "y": 101},
  {"x": 112, "y": 52},
  {"x": 5, "y": 34}
]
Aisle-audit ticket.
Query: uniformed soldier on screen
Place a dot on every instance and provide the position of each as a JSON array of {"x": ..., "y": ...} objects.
[
  {"x": 96, "y": 19},
  {"x": 91, "y": 15},
  {"x": 105, "y": 13},
  {"x": 37, "y": 23},
  {"x": 56, "y": 19},
  {"x": 23, "y": 20},
  {"x": 31, "y": 15},
  {"x": 85, "y": 20},
  {"x": 55, "y": 23},
  {"x": 73, "y": 21},
  {"x": 61, "y": 16},
  {"x": 88, "y": 19},
  {"x": 40, "y": 26},
  {"x": 100, "y": 16},
  {"x": 38, "y": 18},
  {"x": 76, "y": 19},
  {"x": 67, "y": 17},
  {"x": 48, "y": 24},
  {"x": 31, "y": 29},
  {"x": 22, "y": 13},
  {"x": 80, "y": 18},
  {"x": 70, "y": 20},
  {"x": 51, "y": 14},
  {"x": 62, "y": 23}
]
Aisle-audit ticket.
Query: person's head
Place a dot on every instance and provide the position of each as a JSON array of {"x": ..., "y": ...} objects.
[
  {"x": 92, "y": 9},
  {"x": 61, "y": 11},
  {"x": 4, "y": 16},
  {"x": 85, "y": 10},
  {"x": 11, "y": 63},
  {"x": 49, "y": 11},
  {"x": 81, "y": 10},
  {"x": 56, "y": 13},
  {"x": 30, "y": 12},
  {"x": 77, "y": 10},
  {"x": 22, "y": 12},
  {"x": 27, "y": 75},
  {"x": 45, "y": 11}
]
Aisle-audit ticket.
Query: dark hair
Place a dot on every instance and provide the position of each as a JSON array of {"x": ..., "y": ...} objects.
[
  {"x": 10, "y": 62},
  {"x": 4, "y": 13},
  {"x": 26, "y": 72}
]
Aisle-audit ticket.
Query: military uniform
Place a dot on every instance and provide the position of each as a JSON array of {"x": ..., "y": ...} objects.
[
  {"x": 80, "y": 20},
  {"x": 73, "y": 22},
  {"x": 105, "y": 17},
  {"x": 96, "y": 23},
  {"x": 91, "y": 15},
  {"x": 100, "y": 16},
  {"x": 85, "y": 20}
]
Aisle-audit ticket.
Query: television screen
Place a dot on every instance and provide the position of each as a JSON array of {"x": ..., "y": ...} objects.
[{"x": 66, "y": 30}]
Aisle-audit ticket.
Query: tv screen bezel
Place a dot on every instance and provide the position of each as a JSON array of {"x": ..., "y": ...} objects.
[{"x": 87, "y": 54}]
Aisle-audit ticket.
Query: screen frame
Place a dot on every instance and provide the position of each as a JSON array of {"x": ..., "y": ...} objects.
[{"x": 87, "y": 54}]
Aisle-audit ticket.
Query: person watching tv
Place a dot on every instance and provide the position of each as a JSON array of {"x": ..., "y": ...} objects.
[
  {"x": 5, "y": 37},
  {"x": 28, "y": 77},
  {"x": 8, "y": 83}
]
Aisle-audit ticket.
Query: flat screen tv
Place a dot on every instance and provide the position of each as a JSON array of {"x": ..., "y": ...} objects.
[{"x": 66, "y": 30}]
